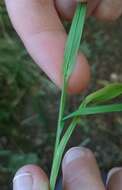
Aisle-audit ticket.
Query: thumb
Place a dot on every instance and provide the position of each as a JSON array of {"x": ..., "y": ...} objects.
[
  {"x": 66, "y": 8},
  {"x": 80, "y": 170},
  {"x": 30, "y": 177}
]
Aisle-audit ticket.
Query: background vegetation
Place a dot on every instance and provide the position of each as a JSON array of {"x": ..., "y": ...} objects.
[{"x": 29, "y": 101}]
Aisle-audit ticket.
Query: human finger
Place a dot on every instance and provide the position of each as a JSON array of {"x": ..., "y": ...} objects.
[
  {"x": 30, "y": 177},
  {"x": 102, "y": 9},
  {"x": 66, "y": 8},
  {"x": 109, "y": 9},
  {"x": 114, "y": 181},
  {"x": 43, "y": 34},
  {"x": 80, "y": 170}
]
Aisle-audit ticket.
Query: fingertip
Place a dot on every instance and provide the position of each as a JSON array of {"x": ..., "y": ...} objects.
[
  {"x": 30, "y": 177},
  {"x": 80, "y": 170},
  {"x": 35, "y": 170},
  {"x": 66, "y": 8},
  {"x": 108, "y": 10},
  {"x": 80, "y": 77},
  {"x": 114, "y": 179},
  {"x": 113, "y": 172},
  {"x": 75, "y": 153}
]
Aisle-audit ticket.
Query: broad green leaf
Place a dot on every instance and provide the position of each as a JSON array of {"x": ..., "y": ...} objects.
[
  {"x": 105, "y": 94},
  {"x": 73, "y": 41},
  {"x": 96, "y": 110}
]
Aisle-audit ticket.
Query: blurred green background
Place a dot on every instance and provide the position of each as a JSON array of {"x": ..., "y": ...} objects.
[{"x": 29, "y": 101}]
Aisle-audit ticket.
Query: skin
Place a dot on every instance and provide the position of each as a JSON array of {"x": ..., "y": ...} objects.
[
  {"x": 79, "y": 172},
  {"x": 39, "y": 26}
]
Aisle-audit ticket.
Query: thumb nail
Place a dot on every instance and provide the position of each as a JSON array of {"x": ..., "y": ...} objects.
[
  {"x": 23, "y": 181},
  {"x": 112, "y": 172},
  {"x": 73, "y": 154}
]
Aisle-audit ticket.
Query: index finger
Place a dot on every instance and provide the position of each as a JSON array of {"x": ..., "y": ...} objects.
[{"x": 43, "y": 34}]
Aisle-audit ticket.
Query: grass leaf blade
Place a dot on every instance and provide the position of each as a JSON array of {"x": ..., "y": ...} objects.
[
  {"x": 59, "y": 153},
  {"x": 105, "y": 94},
  {"x": 70, "y": 55},
  {"x": 73, "y": 41},
  {"x": 96, "y": 110}
]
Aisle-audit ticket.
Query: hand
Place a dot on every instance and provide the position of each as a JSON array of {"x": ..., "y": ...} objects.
[
  {"x": 80, "y": 171},
  {"x": 38, "y": 24}
]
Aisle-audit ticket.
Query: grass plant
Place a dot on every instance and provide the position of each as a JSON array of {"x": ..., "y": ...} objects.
[{"x": 92, "y": 104}]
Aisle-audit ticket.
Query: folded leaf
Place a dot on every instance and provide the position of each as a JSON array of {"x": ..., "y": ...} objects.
[
  {"x": 73, "y": 41},
  {"x": 96, "y": 110},
  {"x": 105, "y": 94}
]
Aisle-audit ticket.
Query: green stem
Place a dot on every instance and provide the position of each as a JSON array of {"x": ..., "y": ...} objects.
[
  {"x": 58, "y": 136},
  {"x": 61, "y": 113},
  {"x": 60, "y": 149},
  {"x": 59, "y": 153}
]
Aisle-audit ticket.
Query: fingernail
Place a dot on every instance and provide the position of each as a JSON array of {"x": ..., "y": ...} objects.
[
  {"x": 73, "y": 154},
  {"x": 113, "y": 172},
  {"x": 23, "y": 181}
]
